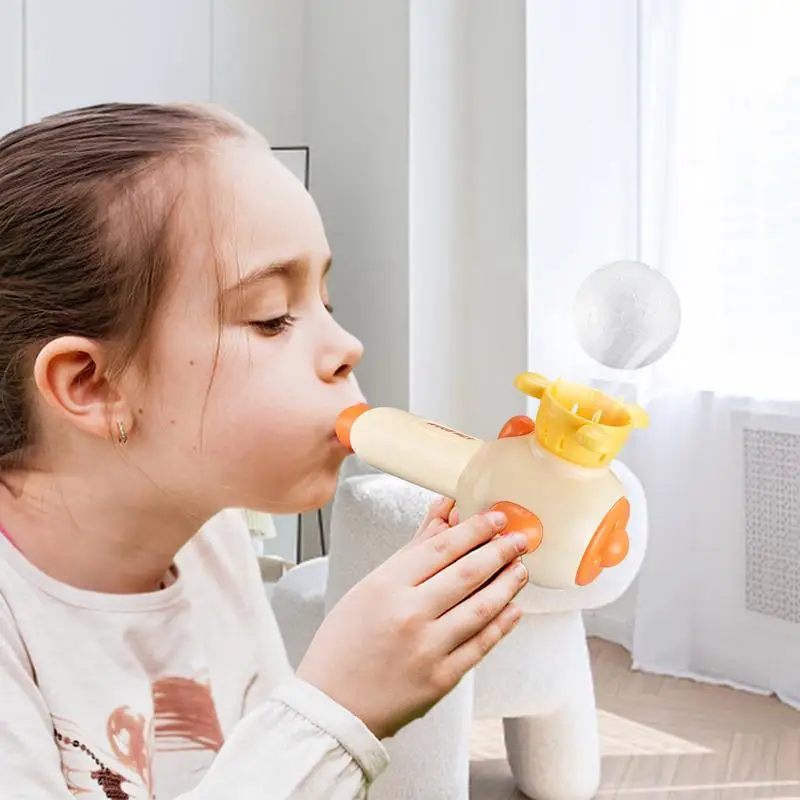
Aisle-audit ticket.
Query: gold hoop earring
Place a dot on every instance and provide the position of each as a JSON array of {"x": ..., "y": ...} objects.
[{"x": 123, "y": 434}]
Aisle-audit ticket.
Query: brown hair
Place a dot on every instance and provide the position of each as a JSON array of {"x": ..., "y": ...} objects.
[{"x": 84, "y": 235}]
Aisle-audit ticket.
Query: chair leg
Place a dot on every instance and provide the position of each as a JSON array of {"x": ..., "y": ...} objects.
[{"x": 557, "y": 756}]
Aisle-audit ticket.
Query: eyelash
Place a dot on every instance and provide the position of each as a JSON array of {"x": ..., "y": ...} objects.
[{"x": 276, "y": 326}]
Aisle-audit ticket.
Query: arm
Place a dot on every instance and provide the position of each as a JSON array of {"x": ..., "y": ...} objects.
[
  {"x": 298, "y": 744},
  {"x": 294, "y": 741},
  {"x": 317, "y": 747}
]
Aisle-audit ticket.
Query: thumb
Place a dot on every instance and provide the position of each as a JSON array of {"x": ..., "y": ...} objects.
[
  {"x": 436, "y": 519},
  {"x": 436, "y": 526}
]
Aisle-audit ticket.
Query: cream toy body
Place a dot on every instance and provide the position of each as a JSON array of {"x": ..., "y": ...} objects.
[{"x": 551, "y": 477}]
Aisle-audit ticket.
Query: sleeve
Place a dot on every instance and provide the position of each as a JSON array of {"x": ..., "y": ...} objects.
[
  {"x": 308, "y": 745},
  {"x": 299, "y": 744}
]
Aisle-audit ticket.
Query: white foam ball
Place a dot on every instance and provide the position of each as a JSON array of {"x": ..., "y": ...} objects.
[{"x": 627, "y": 315}]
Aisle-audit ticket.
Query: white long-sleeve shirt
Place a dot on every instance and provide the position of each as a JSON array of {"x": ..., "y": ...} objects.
[{"x": 181, "y": 694}]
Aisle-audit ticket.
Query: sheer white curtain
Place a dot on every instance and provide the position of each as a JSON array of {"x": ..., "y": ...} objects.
[
  {"x": 720, "y": 196},
  {"x": 684, "y": 122},
  {"x": 720, "y": 171}
]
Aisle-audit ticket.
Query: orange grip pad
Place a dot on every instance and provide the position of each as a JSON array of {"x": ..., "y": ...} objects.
[
  {"x": 520, "y": 520},
  {"x": 608, "y": 546}
]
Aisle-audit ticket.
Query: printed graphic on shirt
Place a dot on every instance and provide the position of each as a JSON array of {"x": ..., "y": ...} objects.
[
  {"x": 185, "y": 717},
  {"x": 184, "y": 720}
]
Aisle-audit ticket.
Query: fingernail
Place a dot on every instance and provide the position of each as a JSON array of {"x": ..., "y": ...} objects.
[
  {"x": 521, "y": 572},
  {"x": 497, "y": 519},
  {"x": 515, "y": 613},
  {"x": 520, "y": 541}
]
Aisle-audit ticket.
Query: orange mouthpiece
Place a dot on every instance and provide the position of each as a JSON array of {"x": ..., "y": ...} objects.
[{"x": 345, "y": 420}]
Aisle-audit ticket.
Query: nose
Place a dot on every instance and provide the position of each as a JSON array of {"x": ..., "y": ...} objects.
[{"x": 341, "y": 356}]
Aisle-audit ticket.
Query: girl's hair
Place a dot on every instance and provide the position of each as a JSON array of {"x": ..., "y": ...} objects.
[{"x": 86, "y": 235}]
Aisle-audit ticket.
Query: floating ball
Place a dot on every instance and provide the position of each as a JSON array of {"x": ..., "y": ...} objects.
[{"x": 626, "y": 315}]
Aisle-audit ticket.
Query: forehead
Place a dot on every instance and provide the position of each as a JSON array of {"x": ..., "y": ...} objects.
[
  {"x": 255, "y": 212},
  {"x": 271, "y": 211}
]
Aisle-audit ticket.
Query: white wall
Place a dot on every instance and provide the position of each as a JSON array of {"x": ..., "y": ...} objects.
[
  {"x": 415, "y": 114},
  {"x": 11, "y": 90},
  {"x": 244, "y": 54},
  {"x": 493, "y": 278},
  {"x": 357, "y": 57}
]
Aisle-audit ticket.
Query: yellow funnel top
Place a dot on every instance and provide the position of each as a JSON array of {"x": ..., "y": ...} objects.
[{"x": 579, "y": 424}]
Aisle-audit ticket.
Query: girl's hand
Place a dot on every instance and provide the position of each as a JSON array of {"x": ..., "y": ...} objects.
[{"x": 403, "y": 637}]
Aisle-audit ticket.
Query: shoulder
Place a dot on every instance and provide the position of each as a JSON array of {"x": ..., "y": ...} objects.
[
  {"x": 220, "y": 561},
  {"x": 222, "y": 573},
  {"x": 14, "y": 655}
]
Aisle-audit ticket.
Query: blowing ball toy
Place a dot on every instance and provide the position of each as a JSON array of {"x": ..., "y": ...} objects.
[{"x": 552, "y": 477}]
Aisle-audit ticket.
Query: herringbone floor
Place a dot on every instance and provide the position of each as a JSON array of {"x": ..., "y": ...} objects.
[{"x": 669, "y": 739}]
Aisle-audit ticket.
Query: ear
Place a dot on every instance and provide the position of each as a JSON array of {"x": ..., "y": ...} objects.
[{"x": 71, "y": 373}]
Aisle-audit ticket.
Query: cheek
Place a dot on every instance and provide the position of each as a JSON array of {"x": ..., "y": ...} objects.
[
  {"x": 170, "y": 404},
  {"x": 273, "y": 457},
  {"x": 274, "y": 426},
  {"x": 264, "y": 426},
  {"x": 260, "y": 401}
]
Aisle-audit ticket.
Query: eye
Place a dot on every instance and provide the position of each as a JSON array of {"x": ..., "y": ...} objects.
[
  {"x": 329, "y": 308},
  {"x": 276, "y": 326}
]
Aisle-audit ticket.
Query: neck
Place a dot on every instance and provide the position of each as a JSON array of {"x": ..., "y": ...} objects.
[{"x": 83, "y": 534}]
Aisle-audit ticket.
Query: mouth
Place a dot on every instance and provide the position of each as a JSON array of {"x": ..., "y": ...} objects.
[{"x": 337, "y": 442}]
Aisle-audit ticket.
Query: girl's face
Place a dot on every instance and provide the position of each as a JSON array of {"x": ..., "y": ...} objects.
[{"x": 247, "y": 370}]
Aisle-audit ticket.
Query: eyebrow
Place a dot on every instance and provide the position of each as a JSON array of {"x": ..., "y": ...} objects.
[{"x": 291, "y": 269}]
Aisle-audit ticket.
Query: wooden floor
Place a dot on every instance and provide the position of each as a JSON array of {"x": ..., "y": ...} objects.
[{"x": 668, "y": 739}]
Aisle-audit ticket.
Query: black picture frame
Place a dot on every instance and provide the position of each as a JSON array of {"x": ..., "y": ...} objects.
[{"x": 286, "y": 152}]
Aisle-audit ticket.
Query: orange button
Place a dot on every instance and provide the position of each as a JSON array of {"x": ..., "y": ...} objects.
[
  {"x": 345, "y": 420},
  {"x": 517, "y": 426},
  {"x": 608, "y": 546}
]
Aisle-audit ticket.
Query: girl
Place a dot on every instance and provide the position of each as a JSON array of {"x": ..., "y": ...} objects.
[{"x": 167, "y": 353}]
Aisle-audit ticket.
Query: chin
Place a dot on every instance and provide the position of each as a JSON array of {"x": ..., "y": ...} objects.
[
  {"x": 314, "y": 494},
  {"x": 324, "y": 490},
  {"x": 312, "y": 491}
]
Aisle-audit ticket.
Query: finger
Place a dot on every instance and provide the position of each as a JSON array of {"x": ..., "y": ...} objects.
[
  {"x": 439, "y": 509},
  {"x": 469, "y": 618},
  {"x": 487, "y": 569},
  {"x": 469, "y": 654},
  {"x": 438, "y": 525},
  {"x": 427, "y": 557},
  {"x": 434, "y": 528}
]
